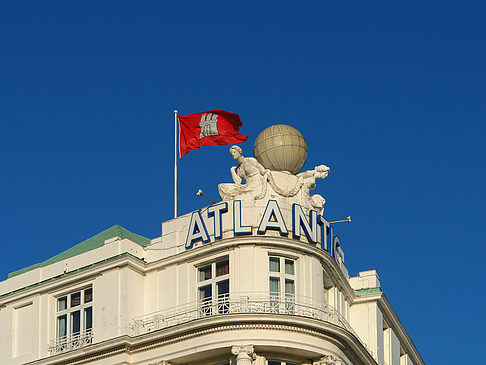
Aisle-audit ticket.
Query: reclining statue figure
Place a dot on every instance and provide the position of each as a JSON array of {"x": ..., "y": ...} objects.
[
  {"x": 248, "y": 168},
  {"x": 258, "y": 180}
]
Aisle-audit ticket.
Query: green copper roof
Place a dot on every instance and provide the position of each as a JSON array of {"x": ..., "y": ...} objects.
[
  {"x": 367, "y": 291},
  {"x": 88, "y": 245}
]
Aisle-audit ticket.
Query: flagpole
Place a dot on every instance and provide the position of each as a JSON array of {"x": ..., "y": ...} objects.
[{"x": 175, "y": 162}]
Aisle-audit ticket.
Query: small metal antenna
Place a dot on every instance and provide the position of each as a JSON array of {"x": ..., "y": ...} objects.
[
  {"x": 200, "y": 193},
  {"x": 348, "y": 219}
]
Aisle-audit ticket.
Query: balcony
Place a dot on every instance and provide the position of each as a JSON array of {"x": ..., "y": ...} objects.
[
  {"x": 239, "y": 303},
  {"x": 71, "y": 342}
]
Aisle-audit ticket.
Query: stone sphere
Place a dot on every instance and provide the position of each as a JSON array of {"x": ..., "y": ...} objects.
[{"x": 281, "y": 147}]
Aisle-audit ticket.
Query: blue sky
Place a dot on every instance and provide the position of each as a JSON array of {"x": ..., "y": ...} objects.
[{"x": 390, "y": 95}]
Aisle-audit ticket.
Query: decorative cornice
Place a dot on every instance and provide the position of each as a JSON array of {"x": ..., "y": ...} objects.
[
  {"x": 335, "y": 335},
  {"x": 341, "y": 338},
  {"x": 234, "y": 327}
]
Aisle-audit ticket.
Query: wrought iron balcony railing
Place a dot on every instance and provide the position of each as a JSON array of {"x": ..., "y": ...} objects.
[
  {"x": 242, "y": 303},
  {"x": 239, "y": 303},
  {"x": 71, "y": 342}
]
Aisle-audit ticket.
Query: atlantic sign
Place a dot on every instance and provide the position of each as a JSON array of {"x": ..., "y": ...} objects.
[{"x": 316, "y": 229}]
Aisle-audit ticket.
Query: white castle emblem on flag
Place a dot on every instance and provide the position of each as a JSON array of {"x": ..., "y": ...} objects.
[{"x": 209, "y": 125}]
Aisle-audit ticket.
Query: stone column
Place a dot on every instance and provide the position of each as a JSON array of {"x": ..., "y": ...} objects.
[{"x": 244, "y": 354}]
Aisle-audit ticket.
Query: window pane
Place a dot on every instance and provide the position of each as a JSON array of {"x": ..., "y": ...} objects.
[
  {"x": 274, "y": 264},
  {"x": 272, "y": 362},
  {"x": 61, "y": 326},
  {"x": 75, "y": 322},
  {"x": 88, "y": 318},
  {"x": 75, "y": 299},
  {"x": 274, "y": 285},
  {"x": 289, "y": 267},
  {"x": 205, "y": 300},
  {"x": 222, "y": 287},
  {"x": 88, "y": 295},
  {"x": 61, "y": 304},
  {"x": 204, "y": 273},
  {"x": 289, "y": 287},
  {"x": 205, "y": 292},
  {"x": 222, "y": 268}
]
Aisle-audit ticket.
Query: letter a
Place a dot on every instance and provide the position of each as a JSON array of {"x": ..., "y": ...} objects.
[
  {"x": 197, "y": 230},
  {"x": 273, "y": 219}
]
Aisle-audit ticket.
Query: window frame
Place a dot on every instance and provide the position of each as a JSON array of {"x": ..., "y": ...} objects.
[
  {"x": 282, "y": 275},
  {"x": 282, "y": 301},
  {"x": 83, "y": 307},
  {"x": 215, "y": 303}
]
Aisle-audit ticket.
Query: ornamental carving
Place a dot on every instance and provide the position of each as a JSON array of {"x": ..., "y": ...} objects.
[
  {"x": 244, "y": 354},
  {"x": 327, "y": 360},
  {"x": 263, "y": 183}
]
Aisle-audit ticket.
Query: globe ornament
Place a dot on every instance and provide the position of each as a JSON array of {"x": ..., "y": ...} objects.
[{"x": 281, "y": 147}]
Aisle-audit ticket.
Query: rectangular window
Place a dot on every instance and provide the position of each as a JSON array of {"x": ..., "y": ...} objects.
[
  {"x": 61, "y": 326},
  {"x": 88, "y": 295},
  {"x": 204, "y": 273},
  {"x": 222, "y": 268},
  {"x": 88, "y": 318},
  {"x": 213, "y": 288},
  {"x": 62, "y": 303},
  {"x": 289, "y": 267},
  {"x": 75, "y": 299},
  {"x": 281, "y": 281},
  {"x": 289, "y": 288},
  {"x": 74, "y": 313},
  {"x": 274, "y": 286},
  {"x": 274, "y": 264},
  {"x": 75, "y": 322}
]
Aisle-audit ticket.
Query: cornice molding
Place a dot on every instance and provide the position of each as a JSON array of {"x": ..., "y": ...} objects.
[{"x": 348, "y": 343}]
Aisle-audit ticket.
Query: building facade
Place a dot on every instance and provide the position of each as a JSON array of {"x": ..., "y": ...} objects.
[{"x": 258, "y": 278}]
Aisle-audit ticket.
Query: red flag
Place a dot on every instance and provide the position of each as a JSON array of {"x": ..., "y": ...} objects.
[{"x": 212, "y": 128}]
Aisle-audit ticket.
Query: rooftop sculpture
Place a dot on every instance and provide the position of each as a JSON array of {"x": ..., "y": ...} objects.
[{"x": 281, "y": 152}]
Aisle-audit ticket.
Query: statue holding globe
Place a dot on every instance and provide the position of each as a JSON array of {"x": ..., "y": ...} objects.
[{"x": 280, "y": 152}]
